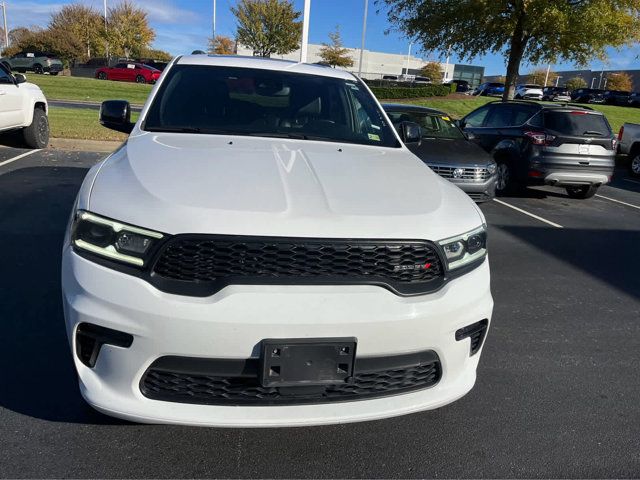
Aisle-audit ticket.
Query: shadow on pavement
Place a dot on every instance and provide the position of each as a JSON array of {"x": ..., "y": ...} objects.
[
  {"x": 38, "y": 376},
  {"x": 12, "y": 139},
  {"x": 608, "y": 255}
]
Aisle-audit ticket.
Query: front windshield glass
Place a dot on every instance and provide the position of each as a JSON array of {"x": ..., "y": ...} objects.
[
  {"x": 256, "y": 102},
  {"x": 433, "y": 125}
]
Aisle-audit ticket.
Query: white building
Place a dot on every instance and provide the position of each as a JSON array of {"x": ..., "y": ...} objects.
[{"x": 374, "y": 64}]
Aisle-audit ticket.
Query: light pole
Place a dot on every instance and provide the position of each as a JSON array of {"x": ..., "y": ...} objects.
[
  {"x": 546, "y": 77},
  {"x": 214, "y": 20},
  {"x": 305, "y": 31},
  {"x": 105, "y": 31},
  {"x": 408, "y": 57},
  {"x": 558, "y": 80},
  {"x": 6, "y": 32},
  {"x": 364, "y": 31}
]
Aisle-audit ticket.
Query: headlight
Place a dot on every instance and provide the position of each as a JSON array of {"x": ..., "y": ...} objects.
[
  {"x": 466, "y": 248},
  {"x": 492, "y": 167},
  {"x": 111, "y": 239}
]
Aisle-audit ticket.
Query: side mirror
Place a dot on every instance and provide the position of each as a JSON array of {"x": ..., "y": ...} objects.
[
  {"x": 410, "y": 133},
  {"x": 460, "y": 124},
  {"x": 20, "y": 78},
  {"x": 116, "y": 115}
]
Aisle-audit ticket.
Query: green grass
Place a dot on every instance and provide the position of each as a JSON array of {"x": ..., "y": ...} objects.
[
  {"x": 81, "y": 124},
  {"x": 459, "y": 107},
  {"x": 89, "y": 89}
]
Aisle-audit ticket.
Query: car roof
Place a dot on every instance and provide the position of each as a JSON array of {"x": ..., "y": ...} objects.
[
  {"x": 403, "y": 107},
  {"x": 550, "y": 106},
  {"x": 264, "y": 64}
]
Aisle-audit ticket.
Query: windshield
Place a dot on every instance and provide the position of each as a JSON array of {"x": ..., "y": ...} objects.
[
  {"x": 256, "y": 102},
  {"x": 433, "y": 125},
  {"x": 577, "y": 123}
]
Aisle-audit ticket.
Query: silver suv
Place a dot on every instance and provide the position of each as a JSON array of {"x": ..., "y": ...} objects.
[
  {"x": 32, "y": 61},
  {"x": 560, "y": 145}
]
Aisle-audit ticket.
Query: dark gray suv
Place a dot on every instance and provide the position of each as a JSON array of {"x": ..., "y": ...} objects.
[{"x": 533, "y": 144}]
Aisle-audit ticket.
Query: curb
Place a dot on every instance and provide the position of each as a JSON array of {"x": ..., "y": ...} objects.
[{"x": 72, "y": 144}]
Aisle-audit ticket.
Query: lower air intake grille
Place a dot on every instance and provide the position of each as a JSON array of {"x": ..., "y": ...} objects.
[
  {"x": 172, "y": 379},
  {"x": 408, "y": 267},
  {"x": 475, "y": 332}
]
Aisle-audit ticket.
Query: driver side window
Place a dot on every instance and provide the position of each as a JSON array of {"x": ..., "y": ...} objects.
[{"x": 5, "y": 77}]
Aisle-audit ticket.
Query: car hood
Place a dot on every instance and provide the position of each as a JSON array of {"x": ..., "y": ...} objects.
[
  {"x": 460, "y": 152},
  {"x": 532, "y": 91},
  {"x": 189, "y": 183}
]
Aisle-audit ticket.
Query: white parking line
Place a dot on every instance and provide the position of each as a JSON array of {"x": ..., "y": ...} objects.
[
  {"x": 18, "y": 157},
  {"x": 618, "y": 201},
  {"x": 632, "y": 181},
  {"x": 548, "y": 222}
]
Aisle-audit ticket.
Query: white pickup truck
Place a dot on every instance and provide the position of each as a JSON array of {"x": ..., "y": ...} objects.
[
  {"x": 629, "y": 144},
  {"x": 23, "y": 106}
]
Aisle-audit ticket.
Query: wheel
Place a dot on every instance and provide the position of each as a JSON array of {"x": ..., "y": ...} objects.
[
  {"x": 36, "y": 135},
  {"x": 37, "y": 68},
  {"x": 140, "y": 79},
  {"x": 102, "y": 76},
  {"x": 518, "y": 97},
  {"x": 53, "y": 73},
  {"x": 504, "y": 178},
  {"x": 634, "y": 165},
  {"x": 581, "y": 191}
]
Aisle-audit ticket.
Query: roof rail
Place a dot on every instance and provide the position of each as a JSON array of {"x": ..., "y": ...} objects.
[{"x": 579, "y": 105}]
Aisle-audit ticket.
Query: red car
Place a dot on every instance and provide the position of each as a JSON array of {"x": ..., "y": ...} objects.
[{"x": 129, "y": 72}]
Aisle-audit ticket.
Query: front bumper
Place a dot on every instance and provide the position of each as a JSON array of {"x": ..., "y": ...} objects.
[
  {"x": 232, "y": 323},
  {"x": 55, "y": 68},
  {"x": 478, "y": 191}
]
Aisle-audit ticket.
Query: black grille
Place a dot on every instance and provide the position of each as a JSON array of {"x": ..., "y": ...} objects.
[
  {"x": 475, "y": 333},
  {"x": 409, "y": 267},
  {"x": 189, "y": 384}
]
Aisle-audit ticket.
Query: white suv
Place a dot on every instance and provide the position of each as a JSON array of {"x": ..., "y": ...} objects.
[
  {"x": 23, "y": 106},
  {"x": 529, "y": 92},
  {"x": 264, "y": 250}
]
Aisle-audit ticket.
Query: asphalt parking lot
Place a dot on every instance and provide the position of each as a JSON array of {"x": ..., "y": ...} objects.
[{"x": 558, "y": 386}]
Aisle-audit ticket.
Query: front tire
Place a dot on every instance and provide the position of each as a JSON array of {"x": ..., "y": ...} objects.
[
  {"x": 504, "y": 179},
  {"x": 140, "y": 79},
  {"x": 581, "y": 192},
  {"x": 102, "y": 76},
  {"x": 36, "y": 135},
  {"x": 634, "y": 165},
  {"x": 37, "y": 68},
  {"x": 53, "y": 73}
]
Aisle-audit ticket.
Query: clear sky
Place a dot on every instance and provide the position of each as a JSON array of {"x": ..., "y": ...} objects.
[{"x": 184, "y": 25}]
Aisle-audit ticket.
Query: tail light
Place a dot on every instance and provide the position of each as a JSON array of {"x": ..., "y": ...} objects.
[
  {"x": 614, "y": 143},
  {"x": 621, "y": 132},
  {"x": 540, "y": 138},
  {"x": 578, "y": 112}
]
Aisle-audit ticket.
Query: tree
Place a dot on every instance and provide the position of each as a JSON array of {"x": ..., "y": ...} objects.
[
  {"x": 575, "y": 83},
  {"x": 222, "y": 45},
  {"x": 537, "y": 31},
  {"x": 539, "y": 75},
  {"x": 334, "y": 53},
  {"x": 433, "y": 71},
  {"x": 84, "y": 24},
  {"x": 155, "y": 54},
  {"x": 268, "y": 26},
  {"x": 128, "y": 30},
  {"x": 619, "y": 81}
]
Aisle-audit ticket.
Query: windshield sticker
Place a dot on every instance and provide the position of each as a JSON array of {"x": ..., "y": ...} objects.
[
  {"x": 446, "y": 119},
  {"x": 374, "y": 137}
]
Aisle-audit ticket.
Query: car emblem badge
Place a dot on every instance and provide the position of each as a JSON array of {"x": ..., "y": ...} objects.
[
  {"x": 418, "y": 266},
  {"x": 458, "y": 173}
]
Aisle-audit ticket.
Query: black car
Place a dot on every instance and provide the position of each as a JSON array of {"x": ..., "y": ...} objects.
[
  {"x": 616, "y": 97},
  {"x": 152, "y": 63},
  {"x": 587, "y": 95},
  {"x": 556, "y": 94},
  {"x": 462, "y": 86},
  {"x": 447, "y": 151},
  {"x": 634, "y": 99},
  {"x": 545, "y": 144}
]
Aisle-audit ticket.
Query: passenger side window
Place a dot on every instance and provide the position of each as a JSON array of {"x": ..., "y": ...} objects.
[{"x": 476, "y": 119}]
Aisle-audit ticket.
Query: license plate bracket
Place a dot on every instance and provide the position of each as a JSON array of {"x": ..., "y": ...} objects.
[{"x": 306, "y": 361}]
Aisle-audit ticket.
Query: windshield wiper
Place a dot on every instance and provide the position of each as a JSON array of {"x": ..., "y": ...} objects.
[{"x": 592, "y": 132}]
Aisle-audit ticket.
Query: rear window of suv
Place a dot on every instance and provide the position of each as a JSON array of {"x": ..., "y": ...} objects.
[{"x": 577, "y": 123}]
